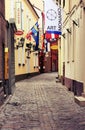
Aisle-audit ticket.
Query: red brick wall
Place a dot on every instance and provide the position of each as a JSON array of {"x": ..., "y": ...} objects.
[
  {"x": 2, "y": 7},
  {"x": 2, "y": 42},
  {"x": 47, "y": 63}
]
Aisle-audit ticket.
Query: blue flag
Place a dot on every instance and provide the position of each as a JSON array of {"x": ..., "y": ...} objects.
[{"x": 35, "y": 34}]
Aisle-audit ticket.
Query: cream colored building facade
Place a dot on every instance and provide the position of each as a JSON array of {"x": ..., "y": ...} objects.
[
  {"x": 72, "y": 46},
  {"x": 26, "y": 60}
]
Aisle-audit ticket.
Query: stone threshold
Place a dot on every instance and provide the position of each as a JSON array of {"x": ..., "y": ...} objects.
[{"x": 80, "y": 100}]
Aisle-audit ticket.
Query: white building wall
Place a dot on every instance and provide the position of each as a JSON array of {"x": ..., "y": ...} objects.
[{"x": 74, "y": 48}]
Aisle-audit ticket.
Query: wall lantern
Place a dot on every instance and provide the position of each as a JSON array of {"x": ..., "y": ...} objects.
[
  {"x": 28, "y": 45},
  {"x": 33, "y": 47},
  {"x": 21, "y": 42}
]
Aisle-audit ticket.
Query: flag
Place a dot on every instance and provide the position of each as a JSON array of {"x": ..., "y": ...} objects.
[
  {"x": 43, "y": 17},
  {"x": 35, "y": 34},
  {"x": 49, "y": 36},
  {"x": 53, "y": 17},
  {"x": 43, "y": 44},
  {"x": 28, "y": 36},
  {"x": 47, "y": 45}
]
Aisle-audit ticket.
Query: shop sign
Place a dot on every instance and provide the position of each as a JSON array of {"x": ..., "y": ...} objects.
[
  {"x": 19, "y": 32},
  {"x": 54, "y": 47},
  {"x": 18, "y": 15}
]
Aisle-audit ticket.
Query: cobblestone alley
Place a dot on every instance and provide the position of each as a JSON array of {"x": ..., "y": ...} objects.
[{"x": 39, "y": 103}]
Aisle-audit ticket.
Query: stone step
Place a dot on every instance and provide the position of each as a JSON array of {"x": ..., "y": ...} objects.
[
  {"x": 80, "y": 100},
  {"x": 57, "y": 80},
  {"x": 83, "y": 95}
]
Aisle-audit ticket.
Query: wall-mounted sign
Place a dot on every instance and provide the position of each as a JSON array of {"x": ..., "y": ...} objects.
[
  {"x": 18, "y": 15},
  {"x": 19, "y": 32},
  {"x": 54, "y": 47}
]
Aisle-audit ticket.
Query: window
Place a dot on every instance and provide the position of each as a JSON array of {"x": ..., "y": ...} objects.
[
  {"x": 56, "y": 1},
  {"x": 73, "y": 43},
  {"x": 63, "y": 3},
  {"x": 59, "y": 2},
  {"x": 68, "y": 47}
]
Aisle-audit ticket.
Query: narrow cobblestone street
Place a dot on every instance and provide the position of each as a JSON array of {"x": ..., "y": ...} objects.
[{"x": 39, "y": 103}]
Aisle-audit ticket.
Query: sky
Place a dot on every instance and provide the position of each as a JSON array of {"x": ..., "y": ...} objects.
[{"x": 39, "y": 5}]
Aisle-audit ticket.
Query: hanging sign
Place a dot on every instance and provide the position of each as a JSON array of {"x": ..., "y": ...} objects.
[
  {"x": 19, "y": 32},
  {"x": 18, "y": 15},
  {"x": 53, "y": 17}
]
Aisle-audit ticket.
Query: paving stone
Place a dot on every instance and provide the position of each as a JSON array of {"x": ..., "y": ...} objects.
[{"x": 41, "y": 103}]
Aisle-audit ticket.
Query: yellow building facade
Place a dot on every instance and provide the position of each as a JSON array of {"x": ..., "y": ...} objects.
[
  {"x": 72, "y": 47},
  {"x": 26, "y": 58}
]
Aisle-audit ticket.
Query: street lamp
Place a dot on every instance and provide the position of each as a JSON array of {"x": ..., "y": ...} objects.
[{"x": 20, "y": 43}]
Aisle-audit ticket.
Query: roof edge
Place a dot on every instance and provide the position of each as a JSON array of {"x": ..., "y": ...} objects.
[{"x": 33, "y": 8}]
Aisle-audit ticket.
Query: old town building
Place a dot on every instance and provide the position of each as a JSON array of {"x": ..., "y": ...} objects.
[
  {"x": 25, "y": 56},
  {"x": 72, "y": 47},
  {"x": 2, "y": 42},
  {"x": 3, "y": 29},
  {"x": 7, "y": 30}
]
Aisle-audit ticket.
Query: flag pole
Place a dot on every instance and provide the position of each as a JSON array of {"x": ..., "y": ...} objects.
[
  {"x": 43, "y": 22},
  {"x": 42, "y": 18}
]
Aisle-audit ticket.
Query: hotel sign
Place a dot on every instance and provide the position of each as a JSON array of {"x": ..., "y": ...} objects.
[{"x": 18, "y": 15}]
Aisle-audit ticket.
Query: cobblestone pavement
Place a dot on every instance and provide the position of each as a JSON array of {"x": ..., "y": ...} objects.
[{"x": 39, "y": 103}]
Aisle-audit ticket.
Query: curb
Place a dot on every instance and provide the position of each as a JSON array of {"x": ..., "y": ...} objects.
[{"x": 5, "y": 102}]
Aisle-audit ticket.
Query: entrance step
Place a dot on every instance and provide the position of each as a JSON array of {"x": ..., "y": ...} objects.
[
  {"x": 83, "y": 95},
  {"x": 57, "y": 80},
  {"x": 80, "y": 100}
]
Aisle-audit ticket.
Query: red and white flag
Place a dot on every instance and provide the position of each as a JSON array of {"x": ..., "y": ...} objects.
[
  {"x": 51, "y": 36},
  {"x": 28, "y": 36}
]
